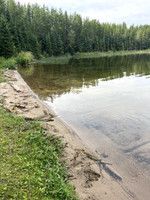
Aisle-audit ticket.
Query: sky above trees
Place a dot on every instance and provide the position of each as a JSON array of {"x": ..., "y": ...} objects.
[{"x": 113, "y": 11}]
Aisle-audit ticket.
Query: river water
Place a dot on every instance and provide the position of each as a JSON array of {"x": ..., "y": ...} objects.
[{"x": 106, "y": 100}]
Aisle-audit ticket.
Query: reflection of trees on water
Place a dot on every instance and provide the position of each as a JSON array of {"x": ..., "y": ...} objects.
[{"x": 52, "y": 80}]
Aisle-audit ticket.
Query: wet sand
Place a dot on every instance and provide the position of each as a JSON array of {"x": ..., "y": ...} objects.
[{"x": 94, "y": 174}]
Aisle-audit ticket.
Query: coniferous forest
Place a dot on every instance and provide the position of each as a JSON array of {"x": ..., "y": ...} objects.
[{"x": 51, "y": 32}]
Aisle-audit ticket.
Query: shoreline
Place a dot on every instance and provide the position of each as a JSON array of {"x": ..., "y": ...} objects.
[
  {"x": 64, "y": 59},
  {"x": 92, "y": 178}
]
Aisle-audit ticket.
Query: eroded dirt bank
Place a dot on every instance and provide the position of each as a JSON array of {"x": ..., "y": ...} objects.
[{"x": 92, "y": 178}]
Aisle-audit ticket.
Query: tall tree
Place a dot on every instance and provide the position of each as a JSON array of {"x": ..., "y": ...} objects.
[
  {"x": 6, "y": 42},
  {"x": 2, "y": 7}
]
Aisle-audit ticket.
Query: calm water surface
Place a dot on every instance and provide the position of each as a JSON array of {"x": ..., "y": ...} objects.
[{"x": 101, "y": 97}]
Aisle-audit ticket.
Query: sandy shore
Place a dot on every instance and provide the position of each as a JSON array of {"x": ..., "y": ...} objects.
[{"x": 92, "y": 177}]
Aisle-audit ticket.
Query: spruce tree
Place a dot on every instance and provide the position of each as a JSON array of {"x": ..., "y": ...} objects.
[
  {"x": 60, "y": 49},
  {"x": 54, "y": 42},
  {"x": 48, "y": 45},
  {"x": 6, "y": 42},
  {"x": 2, "y": 8}
]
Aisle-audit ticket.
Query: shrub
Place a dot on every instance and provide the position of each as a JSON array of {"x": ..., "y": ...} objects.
[
  {"x": 24, "y": 58},
  {"x": 10, "y": 64}
]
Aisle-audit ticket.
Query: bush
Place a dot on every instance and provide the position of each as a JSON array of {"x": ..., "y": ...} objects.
[
  {"x": 24, "y": 58},
  {"x": 10, "y": 64}
]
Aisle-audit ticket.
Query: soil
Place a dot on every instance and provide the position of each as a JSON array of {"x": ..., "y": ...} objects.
[{"x": 92, "y": 177}]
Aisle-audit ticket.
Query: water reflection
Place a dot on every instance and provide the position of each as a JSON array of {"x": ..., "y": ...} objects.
[
  {"x": 103, "y": 96},
  {"x": 54, "y": 80}
]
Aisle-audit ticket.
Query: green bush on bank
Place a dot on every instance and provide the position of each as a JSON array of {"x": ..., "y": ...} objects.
[
  {"x": 24, "y": 58},
  {"x": 9, "y": 63}
]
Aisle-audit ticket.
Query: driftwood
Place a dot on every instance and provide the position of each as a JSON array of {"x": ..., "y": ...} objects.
[
  {"x": 2, "y": 93},
  {"x": 15, "y": 87},
  {"x": 8, "y": 76},
  {"x": 96, "y": 159},
  {"x": 110, "y": 171}
]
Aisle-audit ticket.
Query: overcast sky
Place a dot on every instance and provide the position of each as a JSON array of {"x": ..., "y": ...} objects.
[{"x": 130, "y": 11}]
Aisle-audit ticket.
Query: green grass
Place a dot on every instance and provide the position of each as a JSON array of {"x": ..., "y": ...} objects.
[
  {"x": 65, "y": 59},
  {"x": 110, "y": 53},
  {"x": 1, "y": 77},
  {"x": 9, "y": 64},
  {"x": 56, "y": 60},
  {"x": 2, "y": 60},
  {"x": 30, "y": 162}
]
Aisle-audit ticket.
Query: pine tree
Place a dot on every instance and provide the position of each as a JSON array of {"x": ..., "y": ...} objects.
[
  {"x": 54, "y": 41},
  {"x": 2, "y": 8},
  {"x": 34, "y": 45},
  {"x": 60, "y": 49},
  {"x": 71, "y": 41},
  {"x": 48, "y": 45},
  {"x": 6, "y": 42}
]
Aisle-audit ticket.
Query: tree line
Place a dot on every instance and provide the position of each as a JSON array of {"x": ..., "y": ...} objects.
[{"x": 48, "y": 32}]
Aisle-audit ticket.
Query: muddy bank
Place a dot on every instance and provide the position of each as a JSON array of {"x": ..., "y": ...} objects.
[{"x": 93, "y": 178}]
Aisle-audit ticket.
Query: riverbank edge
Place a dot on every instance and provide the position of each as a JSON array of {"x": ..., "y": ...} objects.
[
  {"x": 53, "y": 124},
  {"x": 64, "y": 59},
  {"x": 85, "y": 169}
]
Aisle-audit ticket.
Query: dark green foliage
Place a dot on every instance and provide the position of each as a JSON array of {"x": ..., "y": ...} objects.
[
  {"x": 33, "y": 46},
  {"x": 6, "y": 42},
  {"x": 51, "y": 32},
  {"x": 2, "y": 7},
  {"x": 48, "y": 45}
]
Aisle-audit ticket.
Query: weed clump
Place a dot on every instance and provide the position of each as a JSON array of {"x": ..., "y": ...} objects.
[
  {"x": 9, "y": 63},
  {"x": 24, "y": 58}
]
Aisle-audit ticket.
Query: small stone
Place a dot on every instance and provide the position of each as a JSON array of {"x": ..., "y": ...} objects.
[
  {"x": 3, "y": 85},
  {"x": 11, "y": 108},
  {"x": 36, "y": 105},
  {"x": 20, "y": 106},
  {"x": 45, "y": 112}
]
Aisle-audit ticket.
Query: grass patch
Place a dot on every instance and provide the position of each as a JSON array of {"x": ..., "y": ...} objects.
[
  {"x": 110, "y": 54},
  {"x": 30, "y": 161},
  {"x": 9, "y": 64},
  {"x": 56, "y": 60},
  {"x": 1, "y": 77},
  {"x": 65, "y": 59},
  {"x": 2, "y": 60},
  {"x": 6, "y": 64}
]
